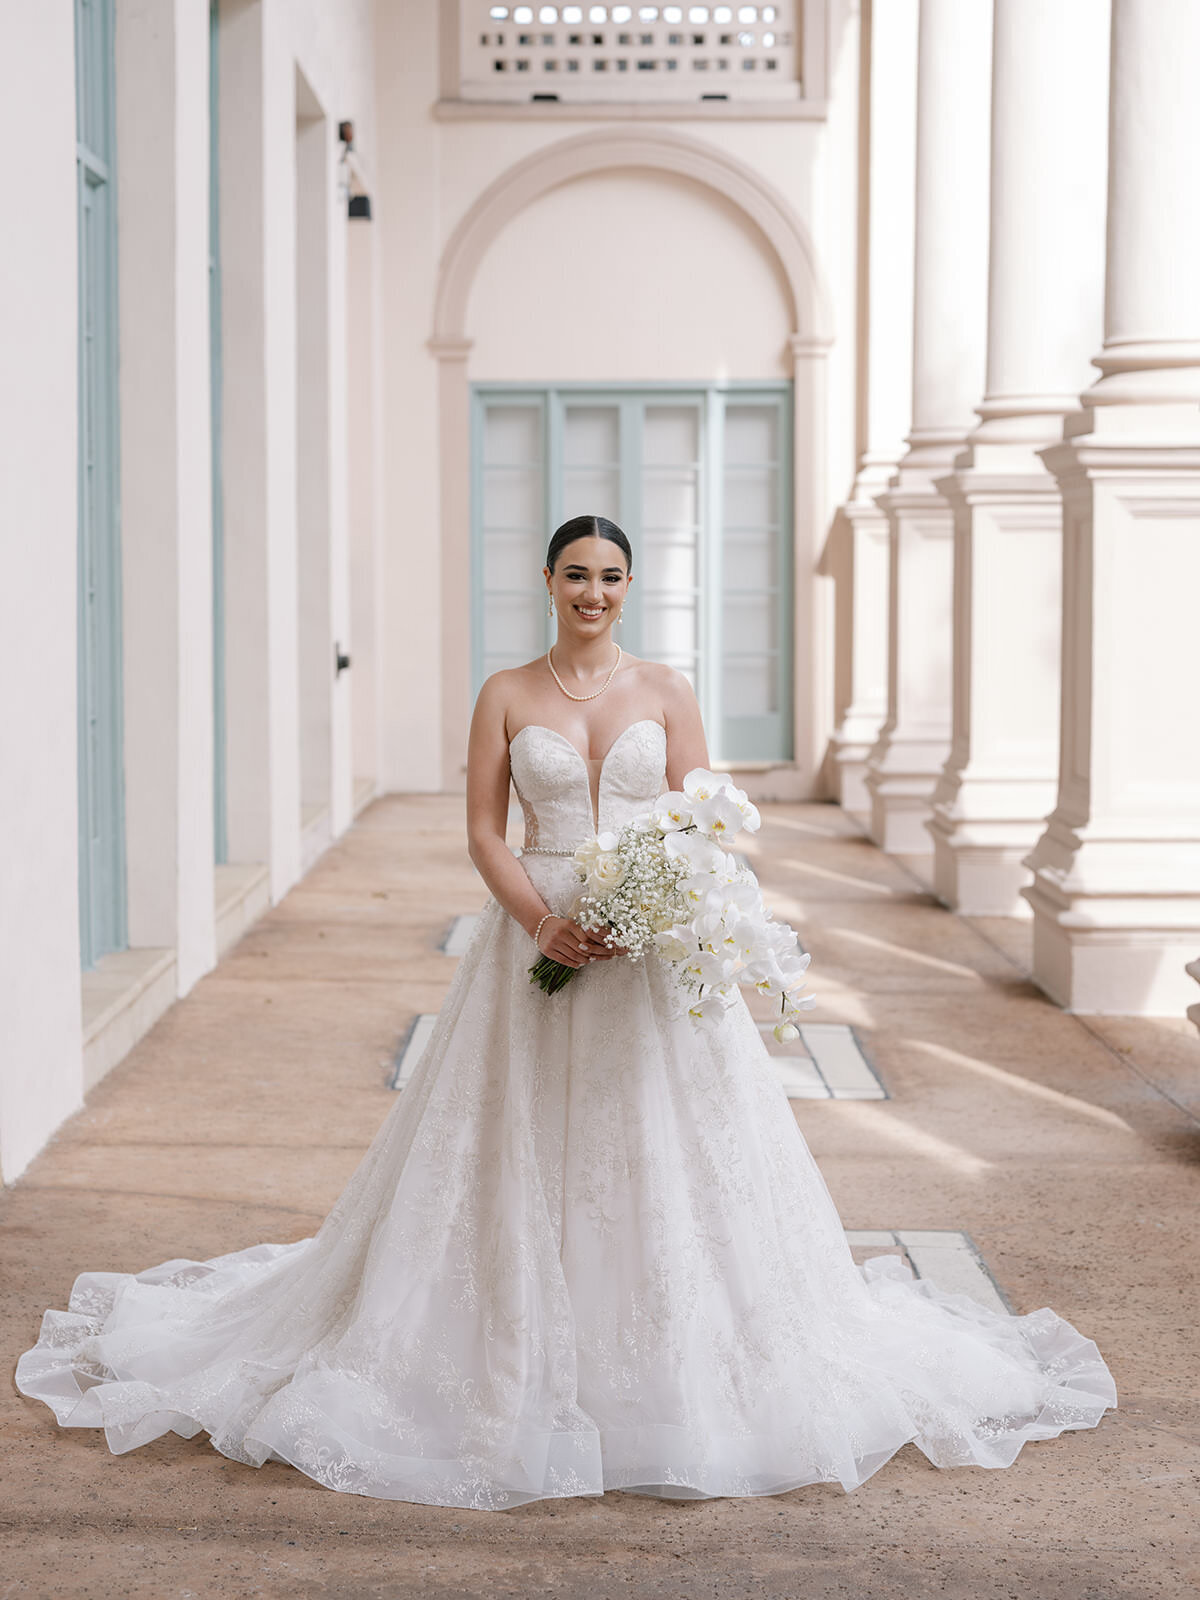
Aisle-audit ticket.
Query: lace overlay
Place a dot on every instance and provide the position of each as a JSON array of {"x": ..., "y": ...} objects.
[{"x": 588, "y": 1248}]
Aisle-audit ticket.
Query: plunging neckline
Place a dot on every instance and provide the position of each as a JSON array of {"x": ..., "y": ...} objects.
[{"x": 593, "y": 806}]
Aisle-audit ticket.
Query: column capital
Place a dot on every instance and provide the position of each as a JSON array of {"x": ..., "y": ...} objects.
[{"x": 449, "y": 348}]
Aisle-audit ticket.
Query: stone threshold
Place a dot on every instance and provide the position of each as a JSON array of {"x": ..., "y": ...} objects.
[
  {"x": 242, "y": 892},
  {"x": 122, "y": 997},
  {"x": 316, "y": 835}
]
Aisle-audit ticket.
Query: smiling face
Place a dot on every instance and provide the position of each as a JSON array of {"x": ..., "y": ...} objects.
[{"x": 588, "y": 586}]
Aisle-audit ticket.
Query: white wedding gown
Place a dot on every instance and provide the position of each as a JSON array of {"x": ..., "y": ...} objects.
[{"x": 588, "y": 1249}]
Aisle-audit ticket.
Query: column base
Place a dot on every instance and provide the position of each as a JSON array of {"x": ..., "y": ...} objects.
[
  {"x": 901, "y": 806},
  {"x": 980, "y": 871},
  {"x": 850, "y": 749},
  {"x": 1112, "y": 972}
]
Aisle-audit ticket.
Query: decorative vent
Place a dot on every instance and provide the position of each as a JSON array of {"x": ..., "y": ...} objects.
[{"x": 611, "y": 53}]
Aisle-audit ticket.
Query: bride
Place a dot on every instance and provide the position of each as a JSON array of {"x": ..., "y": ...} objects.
[{"x": 588, "y": 1247}]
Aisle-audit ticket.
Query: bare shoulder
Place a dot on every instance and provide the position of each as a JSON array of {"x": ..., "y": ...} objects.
[
  {"x": 503, "y": 691},
  {"x": 676, "y": 692}
]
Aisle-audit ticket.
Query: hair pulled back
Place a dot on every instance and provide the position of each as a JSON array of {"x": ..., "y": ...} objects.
[{"x": 587, "y": 528}]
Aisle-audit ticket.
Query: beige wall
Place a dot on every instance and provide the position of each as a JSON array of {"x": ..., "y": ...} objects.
[{"x": 694, "y": 248}]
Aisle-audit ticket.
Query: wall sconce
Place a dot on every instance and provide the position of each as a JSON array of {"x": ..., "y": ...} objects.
[{"x": 357, "y": 205}]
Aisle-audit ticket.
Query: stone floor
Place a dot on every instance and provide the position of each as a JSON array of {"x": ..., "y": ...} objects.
[{"x": 1066, "y": 1150}]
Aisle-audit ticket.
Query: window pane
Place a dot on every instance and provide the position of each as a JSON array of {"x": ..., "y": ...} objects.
[
  {"x": 671, "y": 435},
  {"x": 751, "y": 561},
  {"x": 749, "y": 623},
  {"x": 751, "y": 497},
  {"x": 669, "y": 627},
  {"x": 749, "y": 687},
  {"x": 512, "y": 498},
  {"x": 751, "y": 434},
  {"x": 513, "y": 625},
  {"x": 591, "y": 435},
  {"x": 512, "y": 435},
  {"x": 591, "y": 492},
  {"x": 669, "y": 500},
  {"x": 668, "y": 562},
  {"x": 511, "y": 561}
]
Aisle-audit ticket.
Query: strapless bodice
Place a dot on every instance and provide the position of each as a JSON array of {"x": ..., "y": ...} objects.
[{"x": 554, "y": 787}]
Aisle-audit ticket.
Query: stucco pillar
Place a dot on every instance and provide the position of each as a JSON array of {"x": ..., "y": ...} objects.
[
  {"x": 861, "y": 530},
  {"x": 454, "y": 408},
  {"x": 166, "y": 483},
  {"x": 949, "y": 363},
  {"x": 1116, "y": 885},
  {"x": 1045, "y": 319},
  {"x": 41, "y": 1078},
  {"x": 258, "y": 303}
]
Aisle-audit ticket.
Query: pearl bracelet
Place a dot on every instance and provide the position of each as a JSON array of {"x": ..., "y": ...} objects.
[{"x": 537, "y": 932}]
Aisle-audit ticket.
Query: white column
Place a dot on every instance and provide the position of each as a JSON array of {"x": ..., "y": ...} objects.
[
  {"x": 1116, "y": 887},
  {"x": 1045, "y": 318},
  {"x": 314, "y": 502},
  {"x": 41, "y": 1058},
  {"x": 258, "y": 295},
  {"x": 860, "y": 531},
  {"x": 949, "y": 361},
  {"x": 364, "y": 489},
  {"x": 166, "y": 501}
]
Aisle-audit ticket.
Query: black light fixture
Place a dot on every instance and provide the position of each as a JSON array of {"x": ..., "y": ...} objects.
[{"x": 357, "y": 205}]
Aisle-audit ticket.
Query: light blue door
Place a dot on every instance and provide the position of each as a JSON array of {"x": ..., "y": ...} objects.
[
  {"x": 699, "y": 478},
  {"x": 102, "y": 920}
]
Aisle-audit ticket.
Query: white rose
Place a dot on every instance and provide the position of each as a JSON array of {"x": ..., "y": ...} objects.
[
  {"x": 588, "y": 851},
  {"x": 606, "y": 872}
]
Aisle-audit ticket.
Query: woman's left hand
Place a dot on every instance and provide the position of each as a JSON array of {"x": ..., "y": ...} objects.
[{"x": 610, "y": 950}]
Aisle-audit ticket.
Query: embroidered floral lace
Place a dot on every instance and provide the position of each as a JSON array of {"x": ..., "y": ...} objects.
[{"x": 588, "y": 1248}]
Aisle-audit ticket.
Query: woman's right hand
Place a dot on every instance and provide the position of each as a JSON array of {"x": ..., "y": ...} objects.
[{"x": 565, "y": 941}]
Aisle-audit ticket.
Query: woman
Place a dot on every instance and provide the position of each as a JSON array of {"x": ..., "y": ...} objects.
[{"x": 588, "y": 1247}]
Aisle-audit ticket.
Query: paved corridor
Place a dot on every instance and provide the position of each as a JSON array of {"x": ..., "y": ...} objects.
[{"x": 1065, "y": 1150}]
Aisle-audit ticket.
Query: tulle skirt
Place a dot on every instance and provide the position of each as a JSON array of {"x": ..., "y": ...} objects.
[{"x": 587, "y": 1249}]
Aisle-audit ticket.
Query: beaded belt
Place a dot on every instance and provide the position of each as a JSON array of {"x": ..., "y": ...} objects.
[{"x": 547, "y": 850}]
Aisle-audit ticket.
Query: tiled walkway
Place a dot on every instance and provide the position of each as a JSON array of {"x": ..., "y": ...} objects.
[{"x": 1006, "y": 1148}]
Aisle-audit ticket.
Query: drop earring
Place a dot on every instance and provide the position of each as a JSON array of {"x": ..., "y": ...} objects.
[{"x": 550, "y": 607}]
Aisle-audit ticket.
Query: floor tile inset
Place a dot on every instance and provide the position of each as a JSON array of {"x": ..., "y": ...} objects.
[
  {"x": 827, "y": 1064},
  {"x": 458, "y": 935},
  {"x": 410, "y": 1048},
  {"x": 946, "y": 1256}
]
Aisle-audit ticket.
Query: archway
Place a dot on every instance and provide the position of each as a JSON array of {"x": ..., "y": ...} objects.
[{"x": 783, "y": 233}]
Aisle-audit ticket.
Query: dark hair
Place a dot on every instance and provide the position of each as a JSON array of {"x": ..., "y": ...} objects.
[{"x": 588, "y": 528}]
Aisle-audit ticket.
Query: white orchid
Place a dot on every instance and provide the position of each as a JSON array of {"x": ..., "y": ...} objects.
[
  {"x": 699, "y": 854},
  {"x": 708, "y": 1011},
  {"x": 718, "y": 817},
  {"x": 785, "y": 1031},
  {"x": 676, "y": 943},
  {"x": 751, "y": 820},
  {"x": 671, "y": 811},
  {"x": 701, "y": 784}
]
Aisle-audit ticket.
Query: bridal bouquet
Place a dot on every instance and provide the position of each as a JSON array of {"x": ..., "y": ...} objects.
[{"x": 667, "y": 883}]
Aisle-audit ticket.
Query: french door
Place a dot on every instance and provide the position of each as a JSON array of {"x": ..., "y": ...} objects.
[
  {"x": 699, "y": 479},
  {"x": 102, "y": 921}
]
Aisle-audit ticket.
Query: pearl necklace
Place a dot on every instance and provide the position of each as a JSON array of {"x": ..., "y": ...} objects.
[{"x": 599, "y": 691}]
